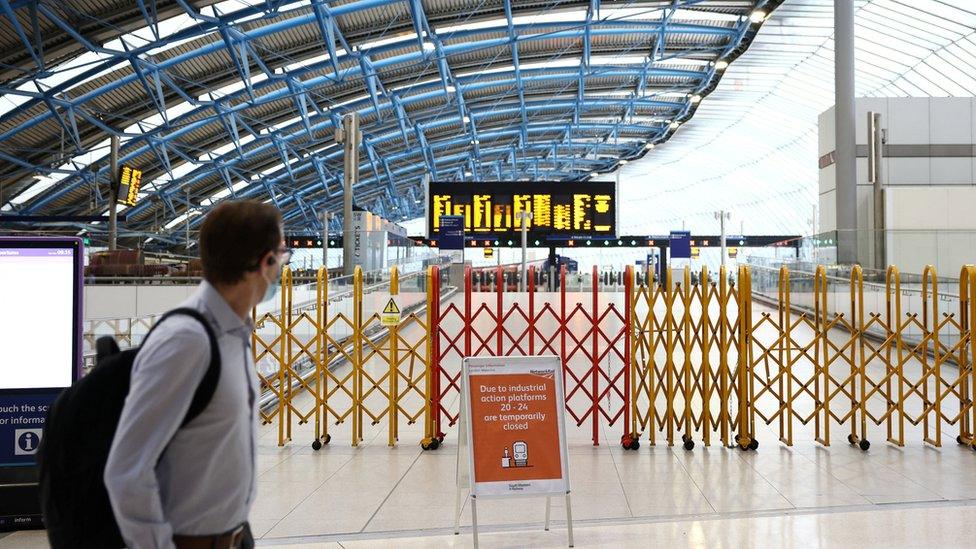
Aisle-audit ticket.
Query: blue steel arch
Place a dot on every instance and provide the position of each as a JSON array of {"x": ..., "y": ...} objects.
[{"x": 559, "y": 122}]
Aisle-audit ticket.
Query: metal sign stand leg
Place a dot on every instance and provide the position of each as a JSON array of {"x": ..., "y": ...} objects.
[
  {"x": 569, "y": 519},
  {"x": 474, "y": 519},
  {"x": 548, "y": 510}
]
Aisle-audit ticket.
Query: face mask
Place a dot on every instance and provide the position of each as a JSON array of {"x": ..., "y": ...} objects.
[{"x": 272, "y": 290}]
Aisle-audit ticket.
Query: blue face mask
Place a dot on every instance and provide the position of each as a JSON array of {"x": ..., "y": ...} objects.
[{"x": 272, "y": 289}]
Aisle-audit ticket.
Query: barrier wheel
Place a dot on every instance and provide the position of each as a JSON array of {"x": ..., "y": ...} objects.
[
  {"x": 685, "y": 438},
  {"x": 851, "y": 439},
  {"x": 316, "y": 445},
  {"x": 864, "y": 445},
  {"x": 426, "y": 443},
  {"x": 753, "y": 444},
  {"x": 435, "y": 444},
  {"x": 958, "y": 439},
  {"x": 689, "y": 444},
  {"x": 737, "y": 438},
  {"x": 635, "y": 444}
]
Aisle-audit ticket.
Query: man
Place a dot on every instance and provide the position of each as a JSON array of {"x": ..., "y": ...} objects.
[{"x": 193, "y": 486}]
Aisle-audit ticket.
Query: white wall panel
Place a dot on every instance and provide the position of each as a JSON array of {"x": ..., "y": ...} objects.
[
  {"x": 908, "y": 171},
  {"x": 951, "y": 171},
  {"x": 909, "y": 121},
  {"x": 950, "y": 120}
]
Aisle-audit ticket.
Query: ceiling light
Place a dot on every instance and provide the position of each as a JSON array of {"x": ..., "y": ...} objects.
[
  {"x": 428, "y": 46},
  {"x": 594, "y": 174},
  {"x": 649, "y": 146},
  {"x": 623, "y": 162},
  {"x": 674, "y": 125},
  {"x": 757, "y": 16},
  {"x": 695, "y": 98},
  {"x": 721, "y": 65},
  {"x": 466, "y": 119},
  {"x": 450, "y": 89}
]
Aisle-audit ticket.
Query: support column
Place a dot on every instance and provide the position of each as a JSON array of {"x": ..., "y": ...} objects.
[
  {"x": 846, "y": 169},
  {"x": 350, "y": 137},
  {"x": 113, "y": 195},
  {"x": 325, "y": 241}
]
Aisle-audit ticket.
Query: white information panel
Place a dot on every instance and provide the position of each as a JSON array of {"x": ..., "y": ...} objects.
[{"x": 512, "y": 436}]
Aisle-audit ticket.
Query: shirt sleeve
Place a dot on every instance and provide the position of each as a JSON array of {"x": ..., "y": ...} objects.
[{"x": 165, "y": 374}]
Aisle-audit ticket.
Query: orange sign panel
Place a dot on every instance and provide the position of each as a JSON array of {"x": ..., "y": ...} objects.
[{"x": 514, "y": 408}]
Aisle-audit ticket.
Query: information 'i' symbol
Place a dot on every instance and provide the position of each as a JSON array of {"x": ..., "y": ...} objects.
[{"x": 27, "y": 442}]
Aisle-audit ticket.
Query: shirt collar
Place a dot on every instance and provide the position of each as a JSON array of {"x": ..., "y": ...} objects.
[{"x": 225, "y": 317}]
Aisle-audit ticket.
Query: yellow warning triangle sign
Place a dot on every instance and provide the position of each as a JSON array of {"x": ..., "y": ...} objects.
[{"x": 391, "y": 308}]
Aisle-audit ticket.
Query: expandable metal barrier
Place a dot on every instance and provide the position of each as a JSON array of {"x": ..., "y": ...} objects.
[{"x": 678, "y": 358}]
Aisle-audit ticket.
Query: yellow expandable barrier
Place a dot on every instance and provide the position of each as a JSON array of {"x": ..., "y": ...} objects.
[{"x": 706, "y": 361}]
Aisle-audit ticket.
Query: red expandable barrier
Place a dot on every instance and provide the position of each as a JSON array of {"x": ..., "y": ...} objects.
[{"x": 592, "y": 342}]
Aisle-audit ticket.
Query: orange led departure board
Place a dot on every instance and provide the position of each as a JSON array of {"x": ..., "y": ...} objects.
[
  {"x": 559, "y": 210},
  {"x": 130, "y": 180}
]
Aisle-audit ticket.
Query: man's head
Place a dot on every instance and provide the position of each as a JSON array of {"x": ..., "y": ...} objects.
[{"x": 242, "y": 243}]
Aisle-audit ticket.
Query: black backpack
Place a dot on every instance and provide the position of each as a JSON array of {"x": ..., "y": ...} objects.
[{"x": 78, "y": 435}]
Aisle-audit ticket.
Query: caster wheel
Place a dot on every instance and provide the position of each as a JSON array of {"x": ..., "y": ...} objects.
[
  {"x": 864, "y": 445},
  {"x": 635, "y": 444},
  {"x": 425, "y": 444},
  {"x": 440, "y": 438},
  {"x": 316, "y": 445},
  {"x": 851, "y": 439},
  {"x": 685, "y": 438},
  {"x": 958, "y": 439},
  {"x": 435, "y": 444},
  {"x": 737, "y": 438},
  {"x": 753, "y": 444},
  {"x": 689, "y": 444}
]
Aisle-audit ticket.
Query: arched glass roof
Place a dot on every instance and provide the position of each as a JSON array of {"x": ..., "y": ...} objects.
[
  {"x": 752, "y": 147},
  {"x": 241, "y": 98}
]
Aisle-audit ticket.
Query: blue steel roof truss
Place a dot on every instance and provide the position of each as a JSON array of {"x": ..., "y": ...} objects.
[{"x": 462, "y": 104}]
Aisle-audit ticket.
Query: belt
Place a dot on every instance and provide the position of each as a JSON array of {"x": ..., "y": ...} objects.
[{"x": 227, "y": 540}]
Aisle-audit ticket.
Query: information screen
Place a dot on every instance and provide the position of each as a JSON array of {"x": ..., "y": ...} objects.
[
  {"x": 559, "y": 210},
  {"x": 39, "y": 323}
]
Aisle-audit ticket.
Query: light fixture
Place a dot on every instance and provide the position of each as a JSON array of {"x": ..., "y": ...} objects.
[
  {"x": 674, "y": 125},
  {"x": 649, "y": 146},
  {"x": 695, "y": 98},
  {"x": 466, "y": 119},
  {"x": 623, "y": 162},
  {"x": 721, "y": 65},
  {"x": 428, "y": 46},
  {"x": 594, "y": 174},
  {"x": 450, "y": 88},
  {"x": 757, "y": 16}
]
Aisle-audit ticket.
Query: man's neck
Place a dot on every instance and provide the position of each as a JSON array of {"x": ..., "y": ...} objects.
[{"x": 238, "y": 296}]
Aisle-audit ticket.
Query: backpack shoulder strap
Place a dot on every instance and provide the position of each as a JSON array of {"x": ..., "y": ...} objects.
[{"x": 208, "y": 385}]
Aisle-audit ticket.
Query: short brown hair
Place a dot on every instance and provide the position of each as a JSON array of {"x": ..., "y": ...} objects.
[{"x": 234, "y": 237}]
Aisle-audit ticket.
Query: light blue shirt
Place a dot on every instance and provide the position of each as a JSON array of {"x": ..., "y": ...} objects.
[{"x": 198, "y": 480}]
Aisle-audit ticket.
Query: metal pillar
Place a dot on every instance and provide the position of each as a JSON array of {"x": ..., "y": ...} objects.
[
  {"x": 525, "y": 218},
  {"x": 186, "y": 245},
  {"x": 325, "y": 241},
  {"x": 875, "y": 153},
  {"x": 350, "y": 137},
  {"x": 113, "y": 195},
  {"x": 722, "y": 215},
  {"x": 846, "y": 169}
]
